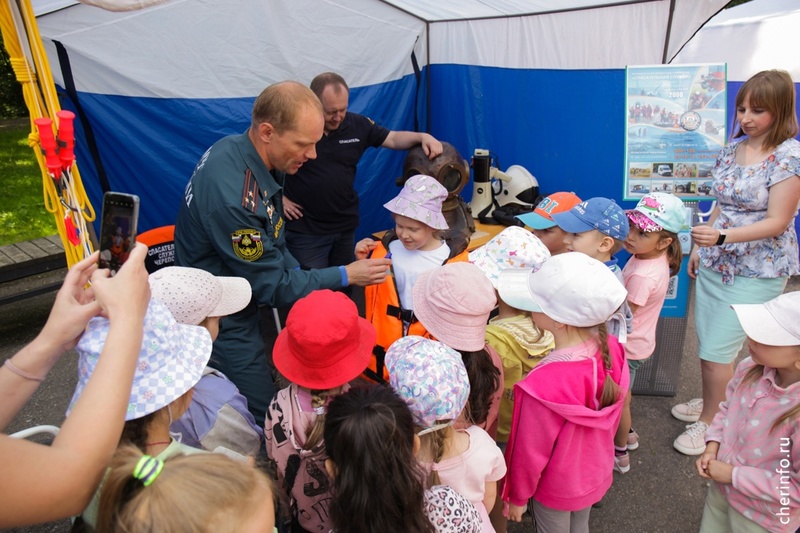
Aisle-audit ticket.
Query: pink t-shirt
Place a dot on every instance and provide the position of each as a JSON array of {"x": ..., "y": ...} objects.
[
  {"x": 469, "y": 472},
  {"x": 646, "y": 281}
]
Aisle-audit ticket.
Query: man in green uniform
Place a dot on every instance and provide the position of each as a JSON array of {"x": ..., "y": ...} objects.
[{"x": 230, "y": 223}]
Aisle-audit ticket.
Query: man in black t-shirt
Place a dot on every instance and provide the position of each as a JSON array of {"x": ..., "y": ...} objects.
[{"x": 320, "y": 202}]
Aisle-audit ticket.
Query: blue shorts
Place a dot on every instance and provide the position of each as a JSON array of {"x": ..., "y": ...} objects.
[{"x": 719, "y": 334}]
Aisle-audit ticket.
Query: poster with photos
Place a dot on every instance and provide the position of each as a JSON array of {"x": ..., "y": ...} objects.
[{"x": 675, "y": 127}]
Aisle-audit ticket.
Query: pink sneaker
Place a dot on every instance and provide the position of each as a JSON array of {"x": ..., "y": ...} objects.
[
  {"x": 688, "y": 411},
  {"x": 693, "y": 440},
  {"x": 622, "y": 463},
  {"x": 633, "y": 439}
]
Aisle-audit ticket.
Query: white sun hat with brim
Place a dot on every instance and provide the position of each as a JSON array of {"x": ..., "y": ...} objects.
[
  {"x": 775, "y": 323},
  {"x": 514, "y": 247},
  {"x": 192, "y": 294},
  {"x": 571, "y": 288},
  {"x": 171, "y": 360}
]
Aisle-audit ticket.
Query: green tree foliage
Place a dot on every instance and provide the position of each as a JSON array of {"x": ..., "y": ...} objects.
[{"x": 12, "y": 104}]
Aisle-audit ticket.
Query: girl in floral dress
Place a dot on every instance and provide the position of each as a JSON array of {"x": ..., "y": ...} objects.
[{"x": 748, "y": 249}]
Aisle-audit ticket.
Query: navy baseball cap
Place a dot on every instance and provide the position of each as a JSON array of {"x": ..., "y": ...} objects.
[{"x": 597, "y": 213}]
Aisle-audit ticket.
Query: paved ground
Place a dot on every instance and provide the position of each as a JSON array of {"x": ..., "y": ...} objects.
[{"x": 661, "y": 493}]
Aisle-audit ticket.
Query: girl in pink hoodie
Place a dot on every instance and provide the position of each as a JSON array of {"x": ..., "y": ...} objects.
[{"x": 566, "y": 411}]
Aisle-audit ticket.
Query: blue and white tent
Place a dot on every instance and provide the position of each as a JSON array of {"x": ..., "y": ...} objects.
[{"x": 540, "y": 83}]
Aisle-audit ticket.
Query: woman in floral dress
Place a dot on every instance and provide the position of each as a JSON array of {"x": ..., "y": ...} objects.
[{"x": 748, "y": 249}]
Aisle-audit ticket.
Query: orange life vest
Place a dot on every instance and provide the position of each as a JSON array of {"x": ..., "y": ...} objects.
[{"x": 383, "y": 310}]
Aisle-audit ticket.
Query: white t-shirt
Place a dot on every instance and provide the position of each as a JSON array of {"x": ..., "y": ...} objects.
[{"x": 408, "y": 264}]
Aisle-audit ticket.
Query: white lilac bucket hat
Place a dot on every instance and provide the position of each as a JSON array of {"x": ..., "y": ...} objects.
[
  {"x": 431, "y": 378},
  {"x": 421, "y": 199},
  {"x": 192, "y": 294},
  {"x": 171, "y": 360},
  {"x": 514, "y": 247}
]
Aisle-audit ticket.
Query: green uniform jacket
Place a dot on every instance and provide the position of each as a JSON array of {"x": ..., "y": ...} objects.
[{"x": 230, "y": 223}]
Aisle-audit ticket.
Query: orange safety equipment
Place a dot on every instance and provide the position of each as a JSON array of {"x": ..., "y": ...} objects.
[{"x": 384, "y": 312}]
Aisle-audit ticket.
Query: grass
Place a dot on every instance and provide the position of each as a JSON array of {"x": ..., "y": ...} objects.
[{"x": 22, "y": 213}]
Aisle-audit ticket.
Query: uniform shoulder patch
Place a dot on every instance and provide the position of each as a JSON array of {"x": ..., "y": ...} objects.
[{"x": 247, "y": 244}]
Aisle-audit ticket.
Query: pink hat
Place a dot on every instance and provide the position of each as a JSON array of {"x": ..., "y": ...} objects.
[
  {"x": 514, "y": 247},
  {"x": 421, "y": 199},
  {"x": 453, "y": 303},
  {"x": 192, "y": 294},
  {"x": 325, "y": 343}
]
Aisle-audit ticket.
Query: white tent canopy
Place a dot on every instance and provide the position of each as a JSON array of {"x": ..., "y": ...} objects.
[{"x": 750, "y": 37}]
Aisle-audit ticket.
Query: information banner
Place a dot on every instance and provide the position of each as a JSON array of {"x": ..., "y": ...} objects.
[{"x": 676, "y": 126}]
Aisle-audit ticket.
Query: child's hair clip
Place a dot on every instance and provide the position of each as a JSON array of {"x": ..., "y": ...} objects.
[{"x": 147, "y": 469}]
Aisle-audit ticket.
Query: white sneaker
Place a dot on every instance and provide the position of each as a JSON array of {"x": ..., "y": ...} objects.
[
  {"x": 693, "y": 440},
  {"x": 688, "y": 411}
]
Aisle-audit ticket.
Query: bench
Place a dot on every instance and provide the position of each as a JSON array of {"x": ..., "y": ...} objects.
[{"x": 31, "y": 268}]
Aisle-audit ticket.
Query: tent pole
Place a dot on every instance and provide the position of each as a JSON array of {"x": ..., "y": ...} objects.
[
  {"x": 428, "y": 77},
  {"x": 669, "y": 31}
]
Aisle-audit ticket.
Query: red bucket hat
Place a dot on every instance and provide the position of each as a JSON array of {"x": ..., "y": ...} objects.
[{"x": 325, "y": 343}]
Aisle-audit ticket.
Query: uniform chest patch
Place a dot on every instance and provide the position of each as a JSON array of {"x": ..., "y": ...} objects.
[{"x": 247, "y": 244}]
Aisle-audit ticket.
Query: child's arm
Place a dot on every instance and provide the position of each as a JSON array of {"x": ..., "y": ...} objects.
[
  {"x": 515, "y": 512},
  {"x": 720, "y": 471},
  {"x": 712, "y": 447},
  {"x": 776, "y": 481},
  {"x": 633, "y": 307},
  {"x": 489, "y": 494},
  {"x": 364, "y": 247}
]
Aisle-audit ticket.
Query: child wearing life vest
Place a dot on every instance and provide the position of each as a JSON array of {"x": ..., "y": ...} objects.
[
  {"x": 432, "y": 380},
  {"x": 414, "y": 247},
  {"x": 324, "y": 345}
]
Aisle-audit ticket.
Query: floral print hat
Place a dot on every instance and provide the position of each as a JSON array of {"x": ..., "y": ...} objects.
[{"x": 171, "y": 360}]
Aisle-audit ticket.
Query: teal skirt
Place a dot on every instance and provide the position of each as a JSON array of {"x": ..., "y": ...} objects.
[{"x": 719, "y": 334}]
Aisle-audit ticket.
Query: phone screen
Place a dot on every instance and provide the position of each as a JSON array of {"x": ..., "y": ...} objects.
[{"x": 118, "y": 229}]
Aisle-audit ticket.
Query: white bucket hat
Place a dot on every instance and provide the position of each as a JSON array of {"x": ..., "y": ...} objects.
[
  {"x": 514, "y": 247},
  {"x": 192, "y": 294},
  {"x": 171, "y": 360}
]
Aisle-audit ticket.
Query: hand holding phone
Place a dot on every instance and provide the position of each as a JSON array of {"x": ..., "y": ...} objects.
[{"x": 118, "y": 229}]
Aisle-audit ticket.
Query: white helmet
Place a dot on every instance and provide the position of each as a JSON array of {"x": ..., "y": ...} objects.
[{"x": 522, "y": 189}]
